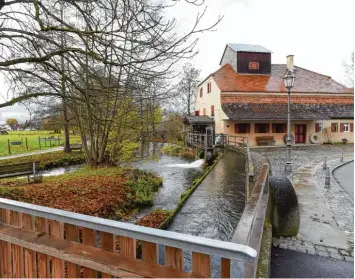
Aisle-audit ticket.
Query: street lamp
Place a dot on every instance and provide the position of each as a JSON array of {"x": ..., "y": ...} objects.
[{"x": 289, "y": 81}]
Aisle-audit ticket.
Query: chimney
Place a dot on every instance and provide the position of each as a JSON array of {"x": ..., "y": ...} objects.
[{"x": 290, "y": 62}]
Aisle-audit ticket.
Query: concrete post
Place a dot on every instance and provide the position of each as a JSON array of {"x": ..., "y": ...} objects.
[
  {"x": 342, "y": 156},
  {"x": 325, "y": 162},
  {"x": 327, "y": 177}
]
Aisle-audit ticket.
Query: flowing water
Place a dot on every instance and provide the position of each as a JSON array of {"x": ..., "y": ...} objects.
[
  {"x": 177, "y": 173},
  {"x": 61, "y": 170},
  {"x": 215, "y": 207}
]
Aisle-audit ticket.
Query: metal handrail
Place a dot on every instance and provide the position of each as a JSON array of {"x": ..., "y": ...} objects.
[{"x": 173, "y": 239}]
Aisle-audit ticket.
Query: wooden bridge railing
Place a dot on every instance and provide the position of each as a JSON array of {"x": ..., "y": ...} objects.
[{"x": 37, "y": 241}]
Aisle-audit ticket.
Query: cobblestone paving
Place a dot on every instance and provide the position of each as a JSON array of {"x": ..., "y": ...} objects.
[
  {"x": 302, "y": 155},
  {"x": 336, "y": 199},
  {"x": 313, "y": 249}
]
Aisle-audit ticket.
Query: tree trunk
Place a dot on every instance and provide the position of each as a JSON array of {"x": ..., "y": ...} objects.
[{"x": 66, "y": 128}]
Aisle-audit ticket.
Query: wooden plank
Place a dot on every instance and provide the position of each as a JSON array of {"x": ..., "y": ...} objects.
[
  {"x": 72, "y": 234},
  {"x": 42, "y": 259},
  {"x": 225, "y": 268},
  {"x": 91, "y": 257},
  {"x": 201, "y": 264},
  {"x": 5, "y": 248},
  {"x": 174, "y": 257},
  {"x": 89, "y": 239},
  {"x": 149, "y": 252},
  {"x": 57, "y": 230},
  {"x": 108, "y": 244},
  {"x": 18, "y": 264},
  {"x": 30, "y": 256},
  {"x": 128, "y": 246}
]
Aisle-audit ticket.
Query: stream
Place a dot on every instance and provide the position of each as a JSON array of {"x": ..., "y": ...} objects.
[{"x": 215, "y": 207}]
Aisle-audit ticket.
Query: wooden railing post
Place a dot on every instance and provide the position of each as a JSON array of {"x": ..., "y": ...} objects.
[
  {"x": 5, "y": 248},
  {"x": 30, "y": 256}
]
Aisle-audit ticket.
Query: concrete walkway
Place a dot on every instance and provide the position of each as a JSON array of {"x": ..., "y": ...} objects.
[{"x": 32, "y": 153}]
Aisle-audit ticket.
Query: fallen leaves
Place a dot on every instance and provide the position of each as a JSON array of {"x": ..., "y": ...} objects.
[{"x": 154, "y": 219}]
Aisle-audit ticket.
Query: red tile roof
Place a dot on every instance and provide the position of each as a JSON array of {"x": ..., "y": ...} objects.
[{"x": 306, "y": 81}]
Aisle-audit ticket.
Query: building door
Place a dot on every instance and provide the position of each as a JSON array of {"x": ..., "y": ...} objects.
[{"x": 300, "y": 133}]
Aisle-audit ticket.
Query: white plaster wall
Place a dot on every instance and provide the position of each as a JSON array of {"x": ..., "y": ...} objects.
[{"x": 210, "y": 99}]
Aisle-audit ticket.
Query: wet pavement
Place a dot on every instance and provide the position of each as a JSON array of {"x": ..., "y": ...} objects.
[
  {"x": 344, "y": 175},
  {"x": 292, "y": 264}
]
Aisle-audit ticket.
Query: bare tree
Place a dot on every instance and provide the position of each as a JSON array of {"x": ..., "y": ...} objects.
[
  {"x": 349, "y": 71},
  {"x": 101, "y": 59},
  {"x": 186, "y": 94}
]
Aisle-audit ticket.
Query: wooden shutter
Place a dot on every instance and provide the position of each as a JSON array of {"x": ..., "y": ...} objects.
[
  {"x": 317, "y": 127},
  {"x": 341, "y": 127},
  {"x": 273, "y": 127},
  {"x": 248, "y": 128},
  {"x": 351, "y": 127},
  {"x": 197, "y": 113},
  {"x": 201, "y": 92},
  {"x": 212, "y": 110},
  {"x": 236, "y": 128},
  {"x": 204, "y": 111},
  {"x": 333, "y": 127}
]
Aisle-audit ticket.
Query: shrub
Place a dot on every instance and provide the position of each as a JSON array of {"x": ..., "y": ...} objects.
[
  {"x": 344, "y": 140},
  {"x": 145, "y": 184}
]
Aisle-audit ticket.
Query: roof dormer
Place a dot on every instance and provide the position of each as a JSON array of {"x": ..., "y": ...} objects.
[{"x": 247, "y": 59}]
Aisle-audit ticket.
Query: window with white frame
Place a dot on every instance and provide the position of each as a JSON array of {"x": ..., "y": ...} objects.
[{"x": 346, "y": 127}]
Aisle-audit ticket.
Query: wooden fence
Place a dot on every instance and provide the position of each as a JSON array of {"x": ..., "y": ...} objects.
[{"x": 37, "y": 241}]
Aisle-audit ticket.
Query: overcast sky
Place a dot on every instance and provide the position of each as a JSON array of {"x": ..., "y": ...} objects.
[{"x": 317, "y": 32}]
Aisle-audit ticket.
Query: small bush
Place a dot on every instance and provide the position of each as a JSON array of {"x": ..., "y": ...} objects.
[
  {"x": 145, "y": 184},
  {"x": 344, "y": 140}
]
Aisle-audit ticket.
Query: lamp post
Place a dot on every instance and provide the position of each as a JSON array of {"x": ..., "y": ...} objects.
[{"x": 289, "y": 81}]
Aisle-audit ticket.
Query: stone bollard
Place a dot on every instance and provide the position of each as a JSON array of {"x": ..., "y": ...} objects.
[
  {"x": 342, "y": 156},
  {"x": 325, "y": 163},
  {"x": 327, "y": 178}
]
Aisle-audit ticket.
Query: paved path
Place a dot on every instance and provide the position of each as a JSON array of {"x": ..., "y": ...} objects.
[
  {"x": 344, "y": 175},
  {"x": 326, "y": 224},
  {"x": 292, "y": 264},
  {"x": 32, "y": 153}
]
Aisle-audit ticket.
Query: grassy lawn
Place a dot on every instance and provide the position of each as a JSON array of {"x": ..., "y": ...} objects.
[
  {"x": 109, "y": 192},
  {"x": 32, "y": 141}
]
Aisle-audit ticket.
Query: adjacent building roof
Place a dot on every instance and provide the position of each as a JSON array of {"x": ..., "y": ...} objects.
[
  {"x": 248, "y": 111},
  {"x": 249, "y": 48},
  {"x": 204, "y": 119},
  {"x": 307, "y": 81}
]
